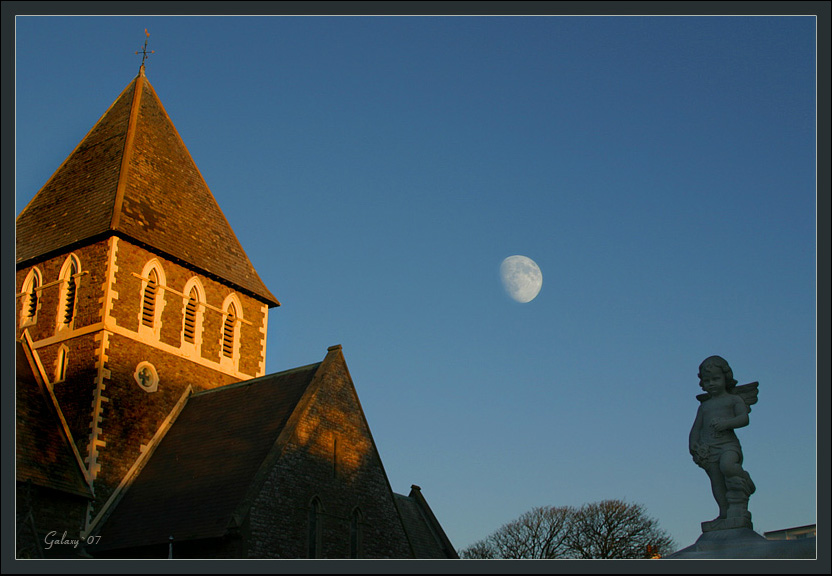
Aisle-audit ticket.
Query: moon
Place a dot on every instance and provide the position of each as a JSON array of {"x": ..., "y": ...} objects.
[{"x": 521, "y": 277}]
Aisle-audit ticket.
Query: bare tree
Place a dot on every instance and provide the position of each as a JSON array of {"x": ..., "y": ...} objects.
[
  {"x": 607, "y": 529},
  {"x": 481, "y": 550},
  {"x": 538, "y": 533},
  {"x": 615, "y": 529}
]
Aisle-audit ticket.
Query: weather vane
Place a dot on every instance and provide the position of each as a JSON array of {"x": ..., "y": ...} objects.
[{"x": 143, "y": 50}]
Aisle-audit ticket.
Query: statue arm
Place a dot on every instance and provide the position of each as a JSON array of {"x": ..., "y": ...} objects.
[{"x": 739, "y": 419}]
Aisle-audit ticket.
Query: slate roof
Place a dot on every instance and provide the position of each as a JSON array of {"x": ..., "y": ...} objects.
[
  {"x": 201, "y": 471},
  {"x": 44, "y": 454},
  {"x": 132, "y": 176},
  {"x": 426, "y": 535}
]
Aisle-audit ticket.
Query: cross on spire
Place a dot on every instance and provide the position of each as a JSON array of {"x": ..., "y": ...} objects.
[{"x": 143, "y": 50}]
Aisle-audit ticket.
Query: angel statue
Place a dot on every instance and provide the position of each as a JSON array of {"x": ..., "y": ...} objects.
[{"x": 715, "y": 447}]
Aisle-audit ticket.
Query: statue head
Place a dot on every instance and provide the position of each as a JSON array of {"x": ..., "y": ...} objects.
[{"x": 720, "y": 365}]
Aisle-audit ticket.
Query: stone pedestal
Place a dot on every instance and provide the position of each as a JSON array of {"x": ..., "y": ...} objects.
[
  {"x": 729, "y": 523},
  {"x": 744, "y": 543}
]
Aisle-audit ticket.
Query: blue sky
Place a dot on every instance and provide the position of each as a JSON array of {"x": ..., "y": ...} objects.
[{"x": 377, "y": 170}]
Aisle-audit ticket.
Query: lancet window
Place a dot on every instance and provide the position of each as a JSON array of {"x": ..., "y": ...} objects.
[
  {"x": 315, "y": 527},
  {"x": 31, "y": 297},
  {"x": 152, "y": 300},
  {"x": 193, "y": 309},
  {"x": 356, "y": 529},
  {"x": 70, "y": 273},
  {"x": 228, "y": 331},
  {"x": 149, "y": 299}
]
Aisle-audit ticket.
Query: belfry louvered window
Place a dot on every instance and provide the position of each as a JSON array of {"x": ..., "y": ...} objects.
[
  {"x": 189, "y": 331},
  {"x": 32, "y": 305},
  {"x": 70, "y": 277},
  {"x": 31, "y": 297},
  {"x": 228, "y": 332},
  {"x": 70, "y": 300},
  {"x": 149, "y": 299}
]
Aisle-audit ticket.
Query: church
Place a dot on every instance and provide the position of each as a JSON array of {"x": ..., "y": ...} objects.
[{"x": 146, "y": 424}]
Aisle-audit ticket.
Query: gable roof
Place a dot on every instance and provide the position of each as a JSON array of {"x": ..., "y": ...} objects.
[
  {"x": 202, "y": 470},
  {"x": 132, "y": 176},
  {"x": 426, "y": 535},
  {"x": 44, "y": 453}
]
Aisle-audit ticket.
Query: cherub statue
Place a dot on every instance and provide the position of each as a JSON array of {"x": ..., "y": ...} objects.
[{"x": 714, "y": 445}]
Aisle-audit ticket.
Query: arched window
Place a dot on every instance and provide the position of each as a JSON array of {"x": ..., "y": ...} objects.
[
  {"x": 356, "y": 532},
  {"x": 153, "y": 301},
  {"x": 149, "y": 299},
  {"x": 31, "y": 297},
  {"x": 69, "y": 288},
  {"x": 228, "y": 331},
  {"x": 315, "y": 527},
  {"x": 60, "y": 364},
  {"x": 193, "y": 308},
  {"x": 230, "y": 327},
  {"x": 189, "y": 328}
]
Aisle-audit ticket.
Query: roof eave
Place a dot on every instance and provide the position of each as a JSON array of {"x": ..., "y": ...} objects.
[{"x": 264, "y": 295}]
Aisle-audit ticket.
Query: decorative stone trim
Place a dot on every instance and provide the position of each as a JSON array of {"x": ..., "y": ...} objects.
[
  {"x": 264, "y": 330},
  {"x": 98, "y": 401},
  {"x": 113, "y": 328},
  {"x": 204, "y": 305},
  {"x": 108, "y": 288}
]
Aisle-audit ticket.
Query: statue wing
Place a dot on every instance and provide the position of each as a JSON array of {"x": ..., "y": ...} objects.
[{"x": 748, "y": 393}]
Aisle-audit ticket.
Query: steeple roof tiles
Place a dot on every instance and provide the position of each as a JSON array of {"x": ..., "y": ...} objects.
[
  {"x": 132, "y": 175},
  {"x": 77, "y": 202}
]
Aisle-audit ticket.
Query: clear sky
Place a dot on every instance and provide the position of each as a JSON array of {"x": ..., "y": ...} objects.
[{"x": 377, "y": 170}]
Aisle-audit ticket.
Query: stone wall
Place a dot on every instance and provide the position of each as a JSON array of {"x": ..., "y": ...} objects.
[
  {"x": 332, "y": 457},
  {"x": 110, "y": 415},
  {"x": 132, "y": 260},
  {"x": 93, "y": 261}
]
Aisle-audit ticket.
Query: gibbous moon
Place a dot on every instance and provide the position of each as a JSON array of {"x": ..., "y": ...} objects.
[{"x": 521, "y": 277}]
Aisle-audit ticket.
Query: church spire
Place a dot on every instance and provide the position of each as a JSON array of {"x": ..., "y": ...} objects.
[{"x": 133, "y": 176}]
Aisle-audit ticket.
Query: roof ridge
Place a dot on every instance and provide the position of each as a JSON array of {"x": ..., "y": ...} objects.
[
  {"x": 127, "y": 152},
  {"x": 72, "y": 153},
  {"x": 251, "y": 381},
  {"x": 138, "y": 464},
  {"x": 208, "y": 188}
]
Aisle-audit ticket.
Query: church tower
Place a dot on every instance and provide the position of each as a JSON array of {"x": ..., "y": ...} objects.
[{"x": 132, "y": 287}]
